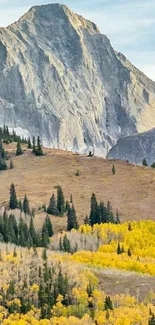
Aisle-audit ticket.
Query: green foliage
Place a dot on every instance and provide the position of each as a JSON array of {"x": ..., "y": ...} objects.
[
  {"x": 7, "y": 137},
  {"x": 153, "y": 165},
  {"x": 29, "y": 145},
  {"x": 108, "y": 303},
  {"x": 72, "y": 219},
  {"x": 38, "y": 150},
  {"x": 113, "y": 170},
  {"x": 60, "y": 201},
  {"x": 144, "y": 162},
  {"x": 52, "y": 208},
  {"x": 13, "y": 204},
  {"x": 19, "y": 150},
  {"x": 26, "y": 207},
  {"x": 99, "y": 213},
  {"x": 49, "y": 226}
]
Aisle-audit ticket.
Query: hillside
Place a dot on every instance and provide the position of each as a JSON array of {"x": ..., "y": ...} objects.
[
  {"x": 61, "y": 78},
  {"x": 131, "y": 190}
]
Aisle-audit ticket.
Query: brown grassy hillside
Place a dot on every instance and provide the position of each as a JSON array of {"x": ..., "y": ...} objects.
[{"x": 131, "y": 189}]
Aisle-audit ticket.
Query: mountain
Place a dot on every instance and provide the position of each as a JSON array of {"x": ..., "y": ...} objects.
[
  {"x": 135, "y": 148},
  {"x": 61, "y": 78}
]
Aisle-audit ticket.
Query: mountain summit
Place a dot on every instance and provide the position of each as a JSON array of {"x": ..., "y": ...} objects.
[{"x": 61, "y": 78}]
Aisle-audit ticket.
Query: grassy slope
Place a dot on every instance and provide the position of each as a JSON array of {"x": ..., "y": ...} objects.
[{"x": 131, "y": 189}]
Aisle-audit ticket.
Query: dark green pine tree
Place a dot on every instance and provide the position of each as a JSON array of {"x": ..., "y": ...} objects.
[
  {"x": 20, "y": 205},
  {"x": 33, "y": 145},
  {"x": 39, "y": 151},
  {"x": 60, "y": 201},
  {"x": 144, "y": 162},
  {"x": 52, "y": 208},
  {"x": 44, "y": 255},
  {"x": 66, "y": 244},
  {"x": 69, "y": 219},
  {"x": 6, "y": 229},
  {"x": 110, "y": 215},
  {"x": 49, "y": 226},
  {"x": 22, "y": 240},
  {"x": 94, "y": 216},
  {"x": 108, "y": 303},
  {"x": 103, "y": 213},
  {"x": 3, "y": 165},
  {"x": 33, "y": 233},
  {"x": 26, "y": 207},
  {"x": 3, "y": 153},
  {"x": 45, "y": 236},
  {"x": 13, "y": 204},
  {"x": 29, "y": 145},
  {"x": 72, "y": 219},
  {"x": 113, "y": 170},
  {"x": 19, "y": 150},
  {"x": 13, "y": 230},
  {"x": 119, "y": 250}
]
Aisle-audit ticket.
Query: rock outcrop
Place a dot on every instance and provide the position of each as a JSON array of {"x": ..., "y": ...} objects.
[
  {"x": 135, "y": 148},
  {"x": 61, "y": 78}
]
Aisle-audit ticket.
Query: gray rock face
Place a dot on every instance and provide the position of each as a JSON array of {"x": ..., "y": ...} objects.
[
  {"x": 135, "y": 148},
  {"x": 61, "y": 78}
]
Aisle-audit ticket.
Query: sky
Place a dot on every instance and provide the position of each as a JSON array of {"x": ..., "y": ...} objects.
[{"x": 129, "y": 24}]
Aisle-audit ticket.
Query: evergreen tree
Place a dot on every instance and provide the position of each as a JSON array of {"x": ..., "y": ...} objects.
[
  {"x": 129, "y": 252},
  {"x": 33, "y": 233},
  {"x": 66, "y": 244},
  {"x": 110, "y": 216},
  {"x": 49, "y": 226},
  {"x": 19, "y": 150},
  {"x": 45, "y": 236},
  {"x": 153, "y": 165},
  {"x": 144, "y": 162},
  {"x": 13, "y": 204},
  {"x": 29, "y": 145},
  {"x": 20, "y": 205},
  {"x": 108, "y": 303},
  {"x": 119, "y": 251},
  {"x": 44, "y": 255},
  {"x": 52, "y": 208},
  {"x": 72, "y": 219},
  {"x": 129, "y": 226},
  {"x": 67, "y": 206},
  {"x": 113, "y": 170},
  {"x": 26, "y": 207},
  {"x": 94, "y": 216},
  {"x": 39, "y": 151},
  {"x": 3, "y": 165},
  {"x": 22, "y": 240},
  {"x": 34, "y": 145},
  {"x": 103, "y": 213},
  {"x": 60, "y": 201}
]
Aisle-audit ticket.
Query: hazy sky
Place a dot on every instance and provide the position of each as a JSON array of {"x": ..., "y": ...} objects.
[{"x": 129, "y": 24}]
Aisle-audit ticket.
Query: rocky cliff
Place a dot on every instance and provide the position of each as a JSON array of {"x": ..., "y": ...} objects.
[
  {"x": 135, "y": 148},
  {"x": 61, "y": 78}
]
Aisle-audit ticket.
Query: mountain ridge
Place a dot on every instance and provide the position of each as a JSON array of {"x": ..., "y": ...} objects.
[{"x": 61, "y": 78}]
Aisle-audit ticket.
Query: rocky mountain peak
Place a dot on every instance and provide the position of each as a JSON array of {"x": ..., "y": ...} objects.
[{"x": 61, "y": 78}]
